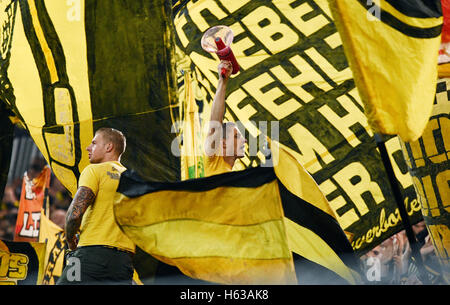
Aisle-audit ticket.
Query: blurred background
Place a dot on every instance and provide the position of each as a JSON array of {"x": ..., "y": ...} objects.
[{"x": 26, "y": 157}]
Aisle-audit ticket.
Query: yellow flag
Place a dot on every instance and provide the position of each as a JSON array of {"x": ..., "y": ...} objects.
[
  {"x": 392, "y": 48},
  {"x": 220, "y": 229},
  {"x": 427, "y": 161},
  {"x": 54, "y": 238},
  {"x": 255, "y": 226},
  {"x": 71, "y": 68},
  {"x": 313, "y": 231},
  {"x": 192, "y": 165}
]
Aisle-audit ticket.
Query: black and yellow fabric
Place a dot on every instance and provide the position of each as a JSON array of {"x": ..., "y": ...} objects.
[
  {"x": 393, "y": 47},
  {"x": 192, "y": 156},
  {"x": 7, "y": 12},
  {"x": 428, "y": 161},
  {"x": 239, "y": 227},
  {"x": 21, "y": 263},
  {"x": 294, "y": 72},
  {"x": 323, "y": 252},
  {"x": 208, "y": 228},
  {"x": 6, "y": 138},
  {"x": 55, "y": 240},
  {"x": 69, "y": 68}
]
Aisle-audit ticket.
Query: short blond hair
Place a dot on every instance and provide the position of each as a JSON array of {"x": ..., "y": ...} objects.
[{"x": 114, "y": 136}]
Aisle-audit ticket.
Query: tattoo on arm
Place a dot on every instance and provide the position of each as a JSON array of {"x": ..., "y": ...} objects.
[{"x": 82, "y": 200}]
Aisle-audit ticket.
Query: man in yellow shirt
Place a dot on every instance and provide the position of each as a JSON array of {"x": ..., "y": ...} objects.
[
  {"x": 103, "y": 253},
  {"x": 223, "y": 146},
  {"x": 224, "y": 143}
]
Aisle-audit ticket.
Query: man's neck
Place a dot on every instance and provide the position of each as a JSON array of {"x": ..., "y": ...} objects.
[{"x": 109, "y": 158}]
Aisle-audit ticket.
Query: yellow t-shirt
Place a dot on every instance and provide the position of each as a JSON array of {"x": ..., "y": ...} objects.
[
  {"x": 215, "y": 165},
  {"x": 98, "y": 226}
]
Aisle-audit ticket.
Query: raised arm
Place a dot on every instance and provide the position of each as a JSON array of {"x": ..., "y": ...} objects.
[
  {"x": 83, "y": 198},
  {"x": 218, "y": 106}
]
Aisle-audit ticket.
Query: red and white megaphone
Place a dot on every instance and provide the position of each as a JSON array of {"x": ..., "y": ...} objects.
[{"x": 218, "y": 40}]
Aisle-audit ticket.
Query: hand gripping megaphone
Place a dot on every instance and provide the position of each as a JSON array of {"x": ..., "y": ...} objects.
[{"x": 218, "y": 40}]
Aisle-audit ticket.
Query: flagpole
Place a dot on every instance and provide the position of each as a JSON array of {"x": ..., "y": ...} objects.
[{"x": 415, "y": 247}]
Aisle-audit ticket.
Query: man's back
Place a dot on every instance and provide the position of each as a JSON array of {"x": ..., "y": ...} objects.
[
  {"x": 103, "y": 251},
  {"x": 98, "y": 226}
]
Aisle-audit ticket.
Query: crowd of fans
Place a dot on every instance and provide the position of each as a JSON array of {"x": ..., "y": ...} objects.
[
  {"x": 59, "y": 200},
  {"x": 389, "y": 263},
  {"x": 392, "y": 263}
]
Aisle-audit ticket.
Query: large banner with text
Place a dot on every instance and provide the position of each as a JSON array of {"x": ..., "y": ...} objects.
[
  {"x": 428, "y": 161},
  {"x": 294, "y": 71}
]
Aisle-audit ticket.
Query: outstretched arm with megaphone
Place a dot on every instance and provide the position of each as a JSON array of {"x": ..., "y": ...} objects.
[
  {"x": 218, "y": 106},
  {"x": 225, "y": 69},
  {"x": 218, "y": 40}
]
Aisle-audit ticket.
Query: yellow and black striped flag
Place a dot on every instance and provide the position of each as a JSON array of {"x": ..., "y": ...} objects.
[
  {"x": 321, "y": 249},
  {"x": 69, "y": 68},
  {"x": 55, "y": 242},
  {"x": 240, "y": 227},
  {"x": 21, "y": 263},
  {"x": 392, "y": 48}
]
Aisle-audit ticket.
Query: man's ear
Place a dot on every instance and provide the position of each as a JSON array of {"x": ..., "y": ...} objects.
[{"x": 109, "y": 147}]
